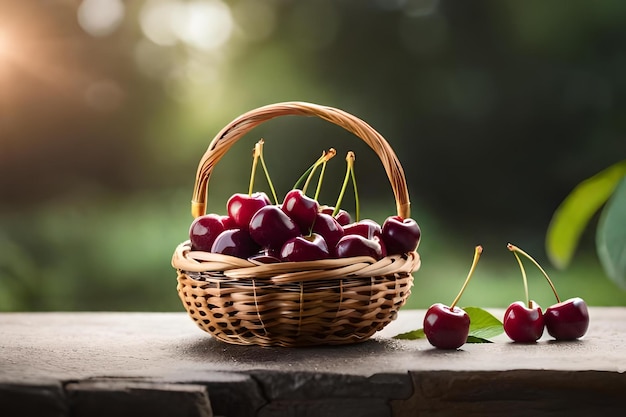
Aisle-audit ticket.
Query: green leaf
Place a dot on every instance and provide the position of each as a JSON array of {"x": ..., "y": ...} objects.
[
  {"x": 483, "y": 325},
  {"x": 576, "y": 210},
  {"x": 412, "y": 335},
  {"x": 611, "y": 236},
  {"x": 474, "y": 339}
]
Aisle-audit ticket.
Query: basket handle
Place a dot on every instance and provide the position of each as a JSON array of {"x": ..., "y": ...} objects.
[{"x": 247, "y": 121}]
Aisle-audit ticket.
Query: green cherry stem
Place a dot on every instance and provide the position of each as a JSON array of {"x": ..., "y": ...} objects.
[
  {"x": 330, "y": 154},
  {"x": 349, "y": 169},
  {"x": 521, "y": 267},
  {"x": 326, "y": 156},
  {"x": 477, "y": 251},
  {"x": 259, "y": 145},
  {"x": 255, "y": 160},
  {"x": 356, "y": 192},
  {"x": 517, "y": 250},
  {"x": 308, "y": 172}
]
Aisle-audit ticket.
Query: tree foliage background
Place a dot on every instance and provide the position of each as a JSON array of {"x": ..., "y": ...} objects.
[{"x": 496, "y": 109}]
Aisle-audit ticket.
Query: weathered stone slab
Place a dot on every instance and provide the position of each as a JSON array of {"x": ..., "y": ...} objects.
[
  {"x": 514, "y": 393},
  {"x": 121, "y": 398},
  {"x": 19, "y": 400},
  {"x": 137, "y": 360}
]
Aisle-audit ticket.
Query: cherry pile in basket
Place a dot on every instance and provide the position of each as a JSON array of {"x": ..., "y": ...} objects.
[{"x": 299, "y": 228}]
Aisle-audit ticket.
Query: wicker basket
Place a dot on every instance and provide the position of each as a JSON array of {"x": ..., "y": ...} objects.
[{"x": 334, "y": 301}]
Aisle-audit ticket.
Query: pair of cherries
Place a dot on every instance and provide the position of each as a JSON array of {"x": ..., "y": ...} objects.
[
  {"x": 298, "y": 230},
  {"x": 447, "y": 327},
  {"x": 525, "y": 322}
]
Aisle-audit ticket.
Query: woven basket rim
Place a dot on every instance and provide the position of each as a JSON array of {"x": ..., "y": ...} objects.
[{"x": 184, "y": 259}]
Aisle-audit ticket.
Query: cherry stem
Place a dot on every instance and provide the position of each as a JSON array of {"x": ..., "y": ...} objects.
[
  {"x": 349, "y": 173},
  {"x": 517, "y": 250},
  {"x": 477, "y": 251},
  {"x": 330, "y": 154},
  {"x": 356, "y": 192},
  {"x": 267, "y": 174},
  {"x": 521, "y": 267},
  {"x": 309, "y": 172},
  {"x": 255, "y": 159}
]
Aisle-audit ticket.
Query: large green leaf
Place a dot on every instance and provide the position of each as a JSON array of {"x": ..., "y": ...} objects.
[
  {"x": 483, "y": 325},
  {"x": 611, "y": 236},
  {"x": 576, "y": 210}
]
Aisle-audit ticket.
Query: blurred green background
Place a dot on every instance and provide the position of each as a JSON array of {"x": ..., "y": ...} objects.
[{"x": 496, "y": 109}]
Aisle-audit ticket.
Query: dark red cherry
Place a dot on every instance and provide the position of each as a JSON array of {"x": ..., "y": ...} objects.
[
  {"x": 304, "y": 248},
  {"x": 523, "y": 324},
  {"x": 241, "y": 207},
  {"x": 301, "y": 208},
  {"x": 367, "y": 228},
  {"x": 228, "y": 222},
  {"x": 567, "y": 320},
  {"x": 235, "y": 242},
  {"x": 342, "y": 216},
  {"x": 400, "y": 235},
  {"x": 446, "y": 328},
  {"x": 356, "y": 245},
  {"x": 329, "y": 228},
  {"x": 270, "y": 227},
  {"x": 203, "y": 231}
]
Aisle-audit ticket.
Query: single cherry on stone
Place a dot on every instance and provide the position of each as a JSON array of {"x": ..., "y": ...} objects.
[
  {"x": 448, "y": 327},
  {"x": 565, "y": 320},
  {"x": 523, "y": 322}
]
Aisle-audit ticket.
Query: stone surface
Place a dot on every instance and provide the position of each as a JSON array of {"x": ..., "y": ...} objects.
[
  {"x": 129, "y": 399},
  {"x": 61, "y": 364}
]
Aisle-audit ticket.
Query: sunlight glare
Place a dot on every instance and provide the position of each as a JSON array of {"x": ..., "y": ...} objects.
[
  {"x": 205, "y": 25},
  {"x": 100, "y": 17},
  {"x": 201, "y": 24},
  {"x": 156, "y": 23}
]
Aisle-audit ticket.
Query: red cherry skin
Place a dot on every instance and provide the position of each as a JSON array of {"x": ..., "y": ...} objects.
[
  {"x": 400, "y": 235},
  {"x": 356, "y": 245},
  {"x": 446, "y": 328},
  {"x": 235, "y": 242},
  {"x": 367, "y": 228},
  {"x": 304, "y": 248},
  {"x": 567, "y": 320},
  {"x": 228, "y": 222},
  {"x": 270, "y": 227},
  {"x": 203, "y": 231},
  {"x": 342, "y": 216},
  {"x": 241, "y": 207},
  {"x": 301, "y": 208},
  {"x": 523, "y": 324},
  {"x": 329, "y": 228}
]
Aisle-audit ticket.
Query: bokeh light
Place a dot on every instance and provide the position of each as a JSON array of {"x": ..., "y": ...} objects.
[{"x": 100, "y": 17}]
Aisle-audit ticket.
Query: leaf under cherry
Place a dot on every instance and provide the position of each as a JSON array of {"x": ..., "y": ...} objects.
[{"x": 483, "y": 326}]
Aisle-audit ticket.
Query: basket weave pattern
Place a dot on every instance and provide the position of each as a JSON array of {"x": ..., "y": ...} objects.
[{"x": 333, "y": 301}]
